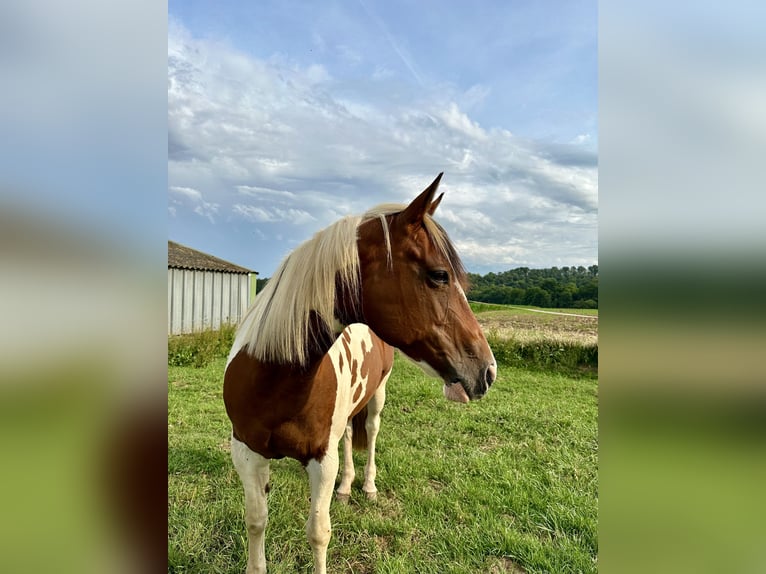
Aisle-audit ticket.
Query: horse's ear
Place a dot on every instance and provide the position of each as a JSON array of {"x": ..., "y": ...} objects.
[
  {"x": 416, "y": 211},
  {"x": 435, "y": 203}
]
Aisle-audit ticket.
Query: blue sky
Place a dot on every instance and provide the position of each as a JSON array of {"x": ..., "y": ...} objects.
[{"x": 285, "y": 116}]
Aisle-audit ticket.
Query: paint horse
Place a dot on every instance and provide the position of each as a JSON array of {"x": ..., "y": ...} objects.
[{"x": 312, "y": 355}]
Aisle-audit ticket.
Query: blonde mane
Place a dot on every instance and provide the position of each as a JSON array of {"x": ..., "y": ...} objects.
[{"x": 276, "y": 328}]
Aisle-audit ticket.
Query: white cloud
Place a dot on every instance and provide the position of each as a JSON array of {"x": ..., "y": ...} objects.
[
  {"x": 252, "y": 212},
  {"x": 265, "y": 192},
  {"x": 468, "y": 219},
  {"x": 191, "y": 197},
  {"x": 458, "y": 121},
  {"x": 207, "y": 210},
  {"x": 260, "y": 214},
  {"x": 498, "y": 254},
  {"x": 187, "y": 192}
]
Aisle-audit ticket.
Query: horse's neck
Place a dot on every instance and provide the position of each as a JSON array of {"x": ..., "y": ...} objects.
[
  {"x": 348, "y": 306},
  {"x": 320, "y": 338},
  {"x": 348, "y": 310}
]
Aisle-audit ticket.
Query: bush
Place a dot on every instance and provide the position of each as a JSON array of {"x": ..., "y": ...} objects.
[
  {"x": 478, "y": 307},
  {"x": 198, "y": 349},
  {"x": 566, "y": 357}
]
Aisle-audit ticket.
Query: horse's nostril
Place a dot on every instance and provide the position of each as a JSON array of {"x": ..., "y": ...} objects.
[{"x": 489, "y": 375}]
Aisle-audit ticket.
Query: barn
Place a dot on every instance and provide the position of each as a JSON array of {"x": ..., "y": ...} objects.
[{"x": 205, "y": 292}]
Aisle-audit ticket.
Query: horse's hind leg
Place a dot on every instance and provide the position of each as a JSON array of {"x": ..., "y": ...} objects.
[
  {"x": 348, "y": 474},
  {"x": 372, "y": 425},
  {"x": 318, "y": 529},
  {"x": 253, "y": 470}
]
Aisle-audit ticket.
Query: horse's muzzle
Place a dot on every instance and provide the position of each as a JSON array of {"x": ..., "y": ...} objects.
[{"x": 462, "y": 392}]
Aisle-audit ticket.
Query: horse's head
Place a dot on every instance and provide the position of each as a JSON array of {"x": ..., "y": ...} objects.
[{"x": 413, "y": 297}]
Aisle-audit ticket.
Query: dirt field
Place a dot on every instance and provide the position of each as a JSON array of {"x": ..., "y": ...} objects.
[{"x": 530, "y": 326}]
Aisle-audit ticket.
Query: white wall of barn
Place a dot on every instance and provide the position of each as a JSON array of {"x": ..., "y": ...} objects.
[{"x": 199, "y": 300}]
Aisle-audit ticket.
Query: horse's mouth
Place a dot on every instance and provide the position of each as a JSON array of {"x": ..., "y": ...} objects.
[{"x": 455, "y": 391}]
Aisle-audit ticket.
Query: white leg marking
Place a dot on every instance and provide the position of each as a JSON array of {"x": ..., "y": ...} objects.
[
  {"x": 360, "y": 342},
  {"x": 348, "y": 475},
  {"x": 318, "y": 529},
  {"x": 253, "y": 470},
  {"x": 374, "y": 407}
]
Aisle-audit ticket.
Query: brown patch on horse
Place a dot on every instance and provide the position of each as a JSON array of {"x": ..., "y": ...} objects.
[
  {"x": 357, "y": 392},
  {"x": 359, "y": 429},
  {"x": 364, "y": 369},
  {"x": 281, "y": 410},
  {"x": 354, "y": 372}
]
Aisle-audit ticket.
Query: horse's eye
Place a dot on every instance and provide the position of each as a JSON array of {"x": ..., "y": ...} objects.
[{"x": 438, "y": 277}]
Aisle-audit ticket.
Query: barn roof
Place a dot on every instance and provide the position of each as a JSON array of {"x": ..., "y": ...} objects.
[{"x": 182, "y": 257}]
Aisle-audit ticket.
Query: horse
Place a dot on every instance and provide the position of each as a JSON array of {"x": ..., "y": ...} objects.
[{"x": 312, "y": 355}]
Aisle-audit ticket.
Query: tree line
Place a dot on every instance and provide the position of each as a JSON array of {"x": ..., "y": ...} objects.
[
  {"x": 560, "y": 287},
  {"x": 564, "y": 287}
]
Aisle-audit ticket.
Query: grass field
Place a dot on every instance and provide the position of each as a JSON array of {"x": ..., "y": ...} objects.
[{"x": 507, "y": 484}]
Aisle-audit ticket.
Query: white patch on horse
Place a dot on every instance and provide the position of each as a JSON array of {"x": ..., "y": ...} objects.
[{"x": 359, "y": 345}]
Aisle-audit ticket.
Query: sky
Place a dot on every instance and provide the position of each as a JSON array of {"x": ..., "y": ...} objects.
[{"x": 285, "y": 116}]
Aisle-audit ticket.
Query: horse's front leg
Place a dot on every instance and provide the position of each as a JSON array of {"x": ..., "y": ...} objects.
[
  {"x": 322, "y": 478},
  {"x": 253, "y": 470},
  {"x": 372, "y": 425},
  {"x": 348, "y": 474}
]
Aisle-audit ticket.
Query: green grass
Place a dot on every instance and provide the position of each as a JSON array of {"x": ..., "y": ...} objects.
[{"x": 505, "y": 484}]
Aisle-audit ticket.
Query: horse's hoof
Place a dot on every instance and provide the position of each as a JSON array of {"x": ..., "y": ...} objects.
[
  {"x": 342, "y": 498},
  {"x": 371, "y": 495}
]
